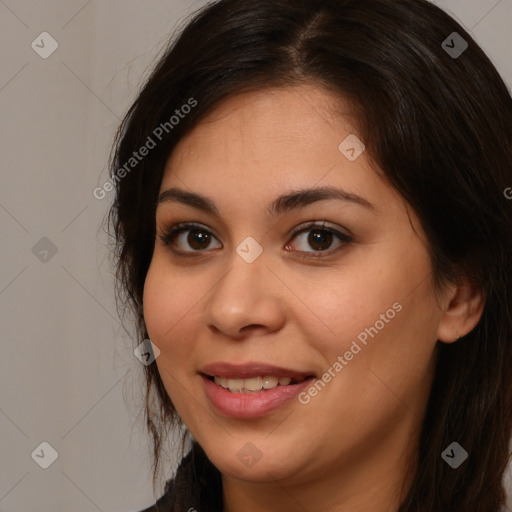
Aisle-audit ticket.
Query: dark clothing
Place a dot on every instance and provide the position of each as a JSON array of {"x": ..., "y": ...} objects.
[{"x": 197, "y": 486}]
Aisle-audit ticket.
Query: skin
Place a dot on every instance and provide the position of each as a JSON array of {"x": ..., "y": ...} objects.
[{"x": 346, "y": 450}]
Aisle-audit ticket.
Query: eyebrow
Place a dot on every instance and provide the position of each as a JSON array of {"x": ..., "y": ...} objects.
[{"x": 283, "y": 204}]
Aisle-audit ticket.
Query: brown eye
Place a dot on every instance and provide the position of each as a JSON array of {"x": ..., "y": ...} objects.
[
  {"x": 316, "y": 240},
  {"x": 190, "y": 238},
  {"x": 320, "y": 240},
  {"x": 198, "y": 239}
]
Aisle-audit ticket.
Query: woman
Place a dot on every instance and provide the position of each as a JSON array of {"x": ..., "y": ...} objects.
[{"x": 312, "y": 229}]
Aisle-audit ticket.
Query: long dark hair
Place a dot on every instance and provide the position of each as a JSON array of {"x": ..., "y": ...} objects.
[{"x": 438, "y": 124}]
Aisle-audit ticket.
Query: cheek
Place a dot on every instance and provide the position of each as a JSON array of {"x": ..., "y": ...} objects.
[
  {"x": 386, "y": 307},
  {"x": 169, "y": 317},
  {"x": 339, "y": 308},
  {"x": 168, "y": 303},
  {"x": 156, "y": 304}
]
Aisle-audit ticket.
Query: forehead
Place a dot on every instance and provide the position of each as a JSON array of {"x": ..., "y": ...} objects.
[
  {"x": 295, "y": 110},
  {"x": 259, "y": 143}
]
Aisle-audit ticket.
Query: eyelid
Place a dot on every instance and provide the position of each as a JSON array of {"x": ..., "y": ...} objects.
[
  {"x": 320, "y": 224},
  {"x": 169, "y": 232},
  {"x": 343, "y": 238}
]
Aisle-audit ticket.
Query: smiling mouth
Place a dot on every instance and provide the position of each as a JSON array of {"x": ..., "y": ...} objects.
[{"x": 255, "y": 384}]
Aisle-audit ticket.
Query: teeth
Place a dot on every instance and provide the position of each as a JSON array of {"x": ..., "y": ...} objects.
[
  {"x": 253, "y": 384},
  {"x": 235, "y": 384},
  {"x": 270, "y": 382}
]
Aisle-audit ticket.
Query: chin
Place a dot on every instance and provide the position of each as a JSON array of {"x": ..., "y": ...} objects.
[{"x": 255, "y": 461}]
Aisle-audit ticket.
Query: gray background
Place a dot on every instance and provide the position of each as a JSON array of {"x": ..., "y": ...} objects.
[{"x": 68, "y": 375}]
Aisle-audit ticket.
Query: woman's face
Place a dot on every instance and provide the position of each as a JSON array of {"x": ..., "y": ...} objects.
[{"x": 301, "y": 263}]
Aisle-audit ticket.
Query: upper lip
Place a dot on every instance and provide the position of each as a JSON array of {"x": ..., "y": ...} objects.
[{"x": 248, "y": 370}]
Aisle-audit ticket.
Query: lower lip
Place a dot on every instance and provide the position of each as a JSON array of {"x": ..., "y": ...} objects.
[{"x": 251, "y": 405}]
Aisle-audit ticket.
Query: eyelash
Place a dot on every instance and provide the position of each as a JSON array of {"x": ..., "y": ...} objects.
[{"x": 169, "y": 234}]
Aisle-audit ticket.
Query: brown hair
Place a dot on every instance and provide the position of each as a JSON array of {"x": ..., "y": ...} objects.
[{"x": 439, "y": 127}]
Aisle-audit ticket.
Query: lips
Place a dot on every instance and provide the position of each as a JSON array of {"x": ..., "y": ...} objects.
[
  {"x": 248, "y": 370},
  {"x": 225, "y": 386}
]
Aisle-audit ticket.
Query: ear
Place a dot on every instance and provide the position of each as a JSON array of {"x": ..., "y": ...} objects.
[{"x": 462, "y": 309}]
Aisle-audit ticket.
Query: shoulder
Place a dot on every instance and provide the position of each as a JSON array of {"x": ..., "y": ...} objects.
[{"x": 164, "y": 503}]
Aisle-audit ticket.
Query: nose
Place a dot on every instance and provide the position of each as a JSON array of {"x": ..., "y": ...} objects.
[{"x": 249, "y": 299}]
